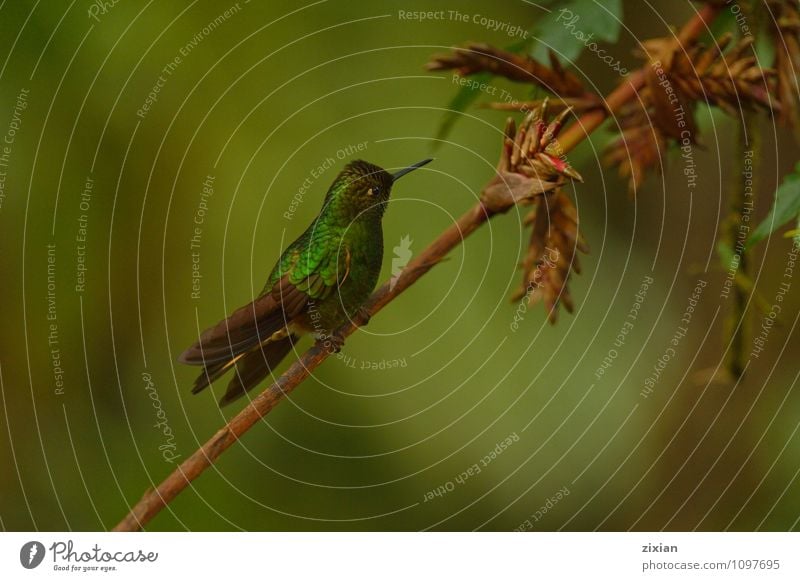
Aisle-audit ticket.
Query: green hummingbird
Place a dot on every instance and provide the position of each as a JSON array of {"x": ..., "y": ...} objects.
[{"x": 322, "y": 279}]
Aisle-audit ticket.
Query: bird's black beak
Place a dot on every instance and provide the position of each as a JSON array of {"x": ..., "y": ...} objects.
[{"x": 396, "y": 176}]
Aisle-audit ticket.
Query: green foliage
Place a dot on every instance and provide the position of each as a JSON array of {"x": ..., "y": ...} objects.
[
  {"x": 764, "y": 48},
  {"x": 785, "y": 208},
  {"x": 724, "y": 23},
  {"x": 595, "y": 22},
  {"x": 465, "y": 96},
  {"x": 725, "y": 252}
]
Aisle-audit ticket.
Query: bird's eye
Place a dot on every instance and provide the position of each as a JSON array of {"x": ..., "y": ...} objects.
[{"x": 375, "y": 190}]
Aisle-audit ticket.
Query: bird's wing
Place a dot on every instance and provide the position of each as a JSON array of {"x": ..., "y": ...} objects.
[{"x": 307, "y": 278}]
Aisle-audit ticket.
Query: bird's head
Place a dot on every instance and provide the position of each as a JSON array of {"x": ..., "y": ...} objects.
[{"x": 364, "y": 187}]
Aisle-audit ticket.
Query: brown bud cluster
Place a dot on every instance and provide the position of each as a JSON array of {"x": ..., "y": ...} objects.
[
  {"x": 785, "y": 30},
  {"x": 552, "y": 253},
  {"x": 531, "y": 162},
  {"x": 676, "y": 79}
]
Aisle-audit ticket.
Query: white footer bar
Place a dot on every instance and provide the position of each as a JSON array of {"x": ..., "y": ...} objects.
[{"x": 401, "y": 556}]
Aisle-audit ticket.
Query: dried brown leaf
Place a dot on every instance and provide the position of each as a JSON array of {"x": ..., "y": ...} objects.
[
  {"x": 552, "y": 253},
  {"x": 475, "y": 57}
]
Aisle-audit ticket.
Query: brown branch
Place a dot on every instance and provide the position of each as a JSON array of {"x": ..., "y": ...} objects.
[{"x": 154, "y": 500}]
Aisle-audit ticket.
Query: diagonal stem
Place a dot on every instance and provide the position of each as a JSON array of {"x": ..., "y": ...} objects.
[{"x": 154, "y": 500}]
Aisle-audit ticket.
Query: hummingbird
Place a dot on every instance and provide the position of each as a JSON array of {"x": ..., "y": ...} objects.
[{"x": 320, "y": 281}]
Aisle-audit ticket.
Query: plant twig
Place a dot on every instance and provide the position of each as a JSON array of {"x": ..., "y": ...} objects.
[
  {"x": 737, "y": 327},
  {"x": 154, "y": 500}
]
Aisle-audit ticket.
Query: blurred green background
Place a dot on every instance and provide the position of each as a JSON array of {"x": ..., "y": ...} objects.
[{"x": 258, "y": 100}]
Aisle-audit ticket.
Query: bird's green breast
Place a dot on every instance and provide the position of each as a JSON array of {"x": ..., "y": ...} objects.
[
  {"x": 338, "y": 267},
  {"x": 364, "y": 242}
]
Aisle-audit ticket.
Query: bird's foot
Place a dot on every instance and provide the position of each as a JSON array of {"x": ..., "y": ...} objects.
[{"x": 332, "y": 343}]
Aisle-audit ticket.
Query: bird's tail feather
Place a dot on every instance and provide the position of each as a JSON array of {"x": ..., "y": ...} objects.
[
  {"x": 251, "y": 368},
  {"x": 211, "y": 373}
]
